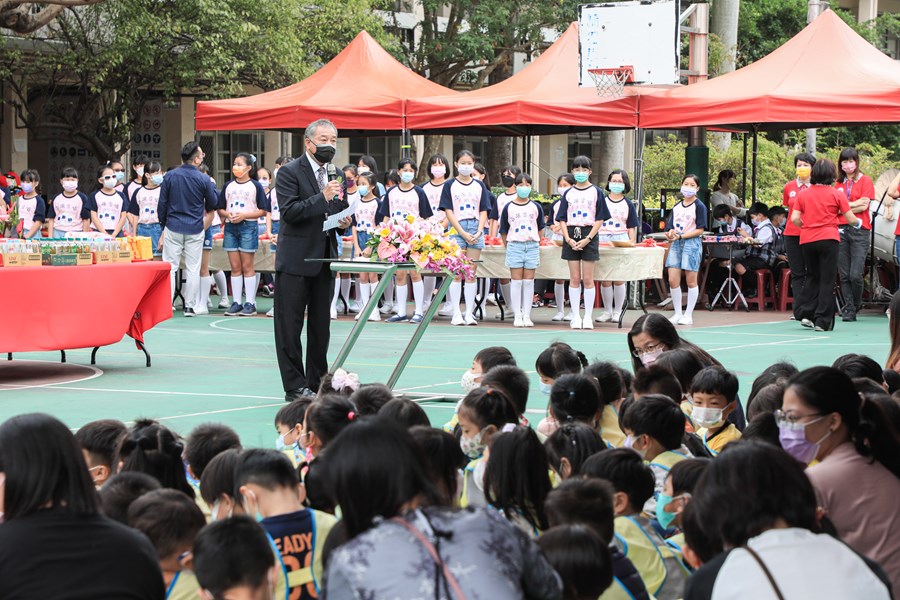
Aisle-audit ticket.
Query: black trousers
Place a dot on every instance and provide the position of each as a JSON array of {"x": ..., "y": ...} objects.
[
  {"x": 797, "y": 264},
  {"x": 298, "y": 295},
  {"x": 817, "y": 300}
]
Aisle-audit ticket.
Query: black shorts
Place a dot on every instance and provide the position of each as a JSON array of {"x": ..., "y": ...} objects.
[{"x": 591, "y": 252}]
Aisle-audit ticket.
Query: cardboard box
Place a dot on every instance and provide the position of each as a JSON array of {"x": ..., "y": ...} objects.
[
  {"x": 20, "y": 259},
  {"x": 122, "y": 256},
  {"x": 102, "y": 258},
  {"x": 67, "y": 260}
]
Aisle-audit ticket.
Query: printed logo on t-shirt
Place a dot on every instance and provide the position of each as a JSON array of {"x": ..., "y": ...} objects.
[
  {"x": 403, "y": 203},
  {"x": 148, "y": 204},
  {"x": 582, "y": 209},
  {"x": 241, "y": 197},
  {"x": 466, "y": 200},
  {"x": 27, "y": 206},
  {"x": 684, "y": 218},
  {"x": 618, "y": 223},
  {"x": 296, "y": 552},
  {"x": 68, "y": 213},
  {"x": 365, "y": 215},
  {"x": 109, "y": 209},
  {"x": 522, "y": 221}
]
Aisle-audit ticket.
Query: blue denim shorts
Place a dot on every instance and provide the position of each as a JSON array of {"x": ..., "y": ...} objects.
[
  {"x": 685, "y": 254},
  {"x": 152, "y": 231},
  {"x": 276, "y": 225},
  {"x": 208, "y": 236},
  {"x": 470, "y": 226},
  {"x": 362, "y": 238},
  {"x": 243, "y": 236},
  {"x": 523, "y": 255},
  {"x": 612, "y": 237}
]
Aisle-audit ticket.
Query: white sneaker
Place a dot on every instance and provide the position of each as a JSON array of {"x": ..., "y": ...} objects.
[
  {"x": 470, "y": 319},
  {"x": 576, "y": 322},
  {"x": 446, "y": 310},
  {"x": 604, "y": 317},
  {"x": 201, "y": 310},
  {"x": 558, "y": 316},
  {"x": 686, "y": 320},
  {"x": 675, "y": 318},
  {"x": 333, "y": 314},
  {"x": 271, "y": 312},
  {"x": 518, "y": 322},
  {"x": 616, "y": 316},
  {"x": 491, "y": 300},
  {"x": 355, "y": 307},
  {"x": 374, "y": 316},
  {"x": 569, "y": 317},
  {"x": 224, "y": 303},
  {"x": 208, "y": 303},
  {"x": 527, "y": 321},
  {"x": 457, "y": 320},
  {"x": 665, "y": 303},
  {"x": 386, "y": 308},
  {"x": 587, "y": 323}
]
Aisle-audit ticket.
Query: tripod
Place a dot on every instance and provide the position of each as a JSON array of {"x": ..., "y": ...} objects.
[{"x": 730, "y": 285}]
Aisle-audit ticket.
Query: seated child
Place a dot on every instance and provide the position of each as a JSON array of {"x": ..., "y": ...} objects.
[
  {"x": 576, "y": 398},
  {"x": 679, "y": 486},
  {"x": 270, "y": 488},
  {"x": 289, "y": 424},
  {"x": 654, "y": 427},
  {"x": 485, "y": 360},
  {"x": 171, "y": 521},
  {"x": 555, "y": 361},
  {"x": 569, "y": 446},
  {"x": 514, "y": 382},
  {"x": 589, "y": 502},
  {"x": 581, "y": 558},
  {"x": 370, "y": 397},
  {"x": 232, "y": 559},
  {"x": 714, "y": 395},
  {"x": 404, "y": 412},
  {"x": 99, "y": 441},
  {"x": 633, "y": 483},
  {"x": 121, "y": 490},
  {"x": 613, "y": 391},
  {"x": 204, "y": 443}
]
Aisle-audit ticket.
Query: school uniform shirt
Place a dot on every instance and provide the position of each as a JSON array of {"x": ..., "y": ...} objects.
[
  {"x": 274, "y": 211},
  {"x": 726, "y": 228},
  {"x": 654, "y": 560},
  {"x": 522, "y": 222},
  {"x": 299, "y": 538},
  {"x": 716, "y": 441},
  {"x": 820, "y": 205},
  {"x": 661, "y": 465},
  {"x": 131, "y": 188},
  {"x": 434, "y": 192},
  {"x": 31, "y": 210},
  {"x": 627, "y": 583},
  {"x": 610, "y": 432},
  {"x": 789, "y": 199},
  {"x": 618, "y": 216},
  {"x": 685, "y": 218},
  {"x": 466, "y": 200},
  {"x": 246, "y": 197},
  {"x": 860, "y": 498},
  {"x": 364, "y": 217},
  {"x": 581, "y": 207},
  {"x": 109, "y": 207},
  {"x": 145, "y": 205},
  {"x": 68, "y": 212},
  {"x": 499, "y": 203},
  {"x": 856, "y": 190},
  {"x": 802, "y": 563},
  {"x": 183, "y": 587},
  {"x": 398, "y": 204}
]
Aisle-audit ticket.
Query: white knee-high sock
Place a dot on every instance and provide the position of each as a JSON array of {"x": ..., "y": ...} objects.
[
  {"x": 337, "y": 291},
  {"x": 590, "y": 296},
  {"x": 676, "y": 299},
  {"x": 364, "y": 293},
  {"x": 455, "y": 294},
  {"x": 606, "y": 293},
  {"x": 575, "y": 300},
  {"x": 514, "y": 300},
  {"x": 250, "y": 286},
  {"x": 619, "y": 297},
  {"x": 693, "y": 294},
  {"x": 527, "y": 296},
  {"x": 470, "y": 290},
  {"x": 506, "y": 290},
  {"x": 389, "y": 291},
  {"x": 221, "y": 284},
  {"x": 419, "y": 296},
  {"x": 203, "y": 296},
  {"x": 401, "y": 299},
  {"x": 237, "y": 286},
  {"x": 559, "y": 293},
  {"x": 428, "y": 284},
  {"x": 345, "y": 290}
]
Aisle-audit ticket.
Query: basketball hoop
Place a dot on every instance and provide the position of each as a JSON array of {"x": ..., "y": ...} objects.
[{"x": 610, "y": 82}]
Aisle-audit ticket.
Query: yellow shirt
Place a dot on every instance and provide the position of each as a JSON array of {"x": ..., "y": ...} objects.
[
  {"x": 183, "y": 587},
  {"x": 609, "y": 427},
  {"x": 717, "y": 441},
  {"x": 655, "y": 561}
]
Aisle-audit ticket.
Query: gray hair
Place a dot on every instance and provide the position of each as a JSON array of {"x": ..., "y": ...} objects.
[{"x": 310, "y": 132}]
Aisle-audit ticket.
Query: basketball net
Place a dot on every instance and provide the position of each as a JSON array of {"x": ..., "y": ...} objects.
[{"x": 610, "y": 82}]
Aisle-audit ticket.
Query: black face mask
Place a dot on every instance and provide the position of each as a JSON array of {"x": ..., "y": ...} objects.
[
  {"x": 507, "y": 180},
  {"x": 324, "y": 153}
]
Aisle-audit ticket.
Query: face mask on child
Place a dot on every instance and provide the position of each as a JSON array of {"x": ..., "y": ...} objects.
[
  {"x": 465, "y": 170},
  {"x": 264, "y": 182},
  {"x": 581, "y": 176},
  {"x": 616, "y": 187},
  {"x": 407, "y": 176},
  {"x": 280, "y": 444},
  {"x": 214, "y": 512},
  {"x": 803, "y": 172},
  {"x": 561, "y": 190},
  {"x": 707, "y": 417},
  {"x": 688, "y": 192},
  {"x": 665, "y": 518},
  {"x": 70, "y": 186},
  {"x": 438, "y": 170},
  {"x": 468, "y": 382},
  {"x": 545, "y": 388},
  {"x": 157, "y": 179},
  {"x": 120, "y": 176},
  {"x": 472, "y": 447},
  {"x": 27, "y": 187},
  {"x": 629, "y": 443},
  {"x": 523, "y": 191},
  {"x": 139, "y": 171},
  {"x": 363, "y": 190}
]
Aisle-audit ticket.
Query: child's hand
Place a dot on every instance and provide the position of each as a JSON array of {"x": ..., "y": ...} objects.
[{"x": 367, "y": 252}]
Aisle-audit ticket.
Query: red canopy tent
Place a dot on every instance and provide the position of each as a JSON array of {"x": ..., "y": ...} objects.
[
  {"x": 825, "y": 75},
  {"x": 332, "y": 93},
  {"x": 544, "y": 97}
]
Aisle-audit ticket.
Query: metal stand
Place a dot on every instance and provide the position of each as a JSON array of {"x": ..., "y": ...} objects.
[
  {"x": 140, "y": 346},
  {"x": 62, "y": 356},
  {"x": 387, "y": 271},
  {"x": 730, "y": 284},
  {"x": 633, "y": 294}
]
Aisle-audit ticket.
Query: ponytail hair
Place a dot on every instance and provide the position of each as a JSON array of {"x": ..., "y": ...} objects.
[
  {"x": 576, "y": 398},
  {"x": 152, "y": 448},
  {"x": 488, "y": 405},
  {"x": 251, "y": 162},
  {"x": 559, "y": 359},
  {"x": 329, "y": 415},
  {"x": 516, "y": 481},
  {"x": 575, "y": 442}
]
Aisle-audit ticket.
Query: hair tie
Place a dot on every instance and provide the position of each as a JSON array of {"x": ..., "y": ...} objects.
[
  {"x": 342, "y": 379},
  {"x": 508, "y": 428},
  {"x": 571, "y": 393},
  {"x": 252, "y": 159},
  {"x": 351, "y": 415},
  {"x": 489, "y": 391}
]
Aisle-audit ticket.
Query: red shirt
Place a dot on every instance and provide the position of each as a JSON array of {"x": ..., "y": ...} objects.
[
  {"x": 789, "y": 199},
  {"x": 861, "y": 188},
  {"x": 821, "y": 205}
]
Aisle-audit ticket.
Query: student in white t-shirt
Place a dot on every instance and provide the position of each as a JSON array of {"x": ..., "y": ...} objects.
[
  {"x": 686, "y": 223},
  {"x": 563, "y": 182},
  {"x": 144, "y": 204},
  {"x": 508, "y": 179},
  {"x": 620, "y": 223},
  {"x": 521, "y": 224},
  {"x": 342, "y": 281},
  {"x": 108, "y": 206},
  {"x": 69, "y": 210},
  {"x": 212, "y": 225},
  {"x": 438, "y": 169},
  {"x": 32, "y": 207},
  {"x": 364, "y": 221}
]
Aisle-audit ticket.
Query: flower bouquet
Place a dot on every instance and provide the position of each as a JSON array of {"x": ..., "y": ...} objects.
[
  {"x": 420, "y": 241},
  {"x": 10, "y": 223}
]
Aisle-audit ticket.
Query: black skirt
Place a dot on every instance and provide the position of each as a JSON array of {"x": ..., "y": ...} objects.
[{"x": 590, "y": 252}]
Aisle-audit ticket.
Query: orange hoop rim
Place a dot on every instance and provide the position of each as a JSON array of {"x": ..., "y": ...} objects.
[{"x": 626, "y": 70}]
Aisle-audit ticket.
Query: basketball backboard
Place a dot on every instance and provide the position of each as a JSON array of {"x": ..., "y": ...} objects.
[{"x": 643, "y": 34}]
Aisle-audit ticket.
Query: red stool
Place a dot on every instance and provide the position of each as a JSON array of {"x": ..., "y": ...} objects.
[
  {"x": 784, "y": 291},
  {"x": 764, "y": 277}
]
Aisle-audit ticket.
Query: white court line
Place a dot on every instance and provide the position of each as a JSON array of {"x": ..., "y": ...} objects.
[
  {"x": 712, "y": 330},
  {"x": 162, "y": 393},
  {"x": 215, "y": 325},
  {"x": 15, "y": 387},
  {"x": 740, "y": 325},
  {"x": 806, "y": 339},
  {"x": 217, "y": 412}
]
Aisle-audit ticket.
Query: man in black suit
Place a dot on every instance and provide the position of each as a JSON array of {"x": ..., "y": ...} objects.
[{"x": 305, "y": 199}]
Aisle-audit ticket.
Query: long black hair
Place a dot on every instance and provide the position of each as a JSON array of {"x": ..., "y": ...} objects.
[
  {"x": 574, "y": 442},
  {"x": 153, "y": 449},
  {"x": 576, "y": 398},
  {"x": 43, "y": 465},
  {"x": 516, "y": 480},
  {"x": 660, "y": 328},
  {"x": 558, "y": 359}
]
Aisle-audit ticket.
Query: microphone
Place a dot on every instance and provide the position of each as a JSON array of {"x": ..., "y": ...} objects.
[{"x": 332, "y": 175}]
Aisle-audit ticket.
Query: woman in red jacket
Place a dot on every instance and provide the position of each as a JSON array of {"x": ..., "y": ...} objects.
[
  {"x": 854, "y": 245},
  {"x": 816, "y": 213}
]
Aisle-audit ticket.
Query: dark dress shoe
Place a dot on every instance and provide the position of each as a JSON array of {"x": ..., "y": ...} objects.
[{"x": 299, "y": 393}]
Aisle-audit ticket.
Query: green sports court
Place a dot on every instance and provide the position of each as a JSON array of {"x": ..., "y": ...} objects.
[{"x": 213, "y": 368}]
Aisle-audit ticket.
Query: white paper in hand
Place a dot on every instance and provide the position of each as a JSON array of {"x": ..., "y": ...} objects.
[{"x": 331, "y": 222}]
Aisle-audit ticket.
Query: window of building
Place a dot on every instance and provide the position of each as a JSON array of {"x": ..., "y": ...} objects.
[
  {"x": 229, "y": 143},
  {"x": 475, "y": 145}
]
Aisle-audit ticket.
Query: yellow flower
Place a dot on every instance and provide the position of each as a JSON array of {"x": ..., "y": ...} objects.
[
  {"x": 426, "y": 239},
  {"x": 437, "y": 254},
  {"x": 452, "y": 231},
  {"x": 410, "y": 218},
  {"x": 385, "y": 232}
]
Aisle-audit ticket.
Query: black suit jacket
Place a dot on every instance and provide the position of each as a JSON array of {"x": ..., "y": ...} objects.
[{"x": 303, "y": 210}]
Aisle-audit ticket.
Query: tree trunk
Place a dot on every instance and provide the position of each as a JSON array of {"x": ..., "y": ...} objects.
[
  {"x": 612, "y": 155},
  {"x": 499, "y": 148},
  {"x": 432, "y": 145},
  {"x": 723, "y": 22}
]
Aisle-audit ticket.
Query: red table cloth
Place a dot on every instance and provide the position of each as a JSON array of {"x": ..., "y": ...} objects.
[{"x": 62, "y": 308}]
